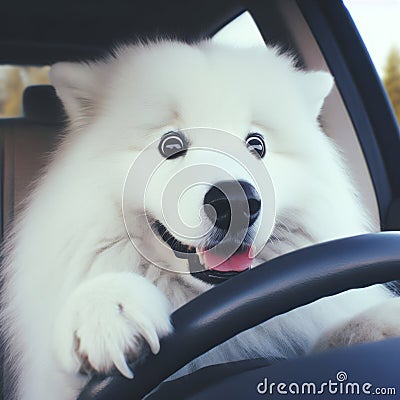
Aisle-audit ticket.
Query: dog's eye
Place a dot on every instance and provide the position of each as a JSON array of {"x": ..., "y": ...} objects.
[
  {"x": 172, "y": 145},
  {"x": 255, "y": 143}
]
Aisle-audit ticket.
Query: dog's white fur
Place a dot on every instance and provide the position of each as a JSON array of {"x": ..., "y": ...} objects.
[{"x": 74, "y": 282}]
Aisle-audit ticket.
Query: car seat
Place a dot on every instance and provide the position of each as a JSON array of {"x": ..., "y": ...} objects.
[{"x": 27, "y": 142}]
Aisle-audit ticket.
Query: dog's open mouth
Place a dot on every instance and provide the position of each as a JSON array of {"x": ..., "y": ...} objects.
[{"x": 209, "y": 265}]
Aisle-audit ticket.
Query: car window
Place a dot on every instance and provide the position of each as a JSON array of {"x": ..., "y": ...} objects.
[
  {"x": 242, "y": 31},
  {"x": 13, "y": 81},
  {"x": 378, "y": 24}
]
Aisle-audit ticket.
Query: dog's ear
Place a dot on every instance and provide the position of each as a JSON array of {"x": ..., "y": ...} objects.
[
  {"x": 76, "y": 85},
  {"x": 316, "y": 86}
]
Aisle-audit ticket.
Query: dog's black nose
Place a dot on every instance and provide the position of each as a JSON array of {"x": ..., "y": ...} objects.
[{"x": 234, "y": 202}]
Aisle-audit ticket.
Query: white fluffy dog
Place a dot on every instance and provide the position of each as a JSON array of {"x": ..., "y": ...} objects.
[{"x": 95, "y": 264}]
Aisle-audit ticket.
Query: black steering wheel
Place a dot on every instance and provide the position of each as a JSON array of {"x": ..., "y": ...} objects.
[{"x": 273, "y": 288}]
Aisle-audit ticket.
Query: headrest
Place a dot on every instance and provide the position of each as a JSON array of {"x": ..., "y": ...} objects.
[{"x": 41, "y": 104}]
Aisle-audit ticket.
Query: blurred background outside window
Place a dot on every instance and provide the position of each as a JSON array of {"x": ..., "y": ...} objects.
[
  {"x": 378, "y": 24},
  {"x": 13, "y": 80}
]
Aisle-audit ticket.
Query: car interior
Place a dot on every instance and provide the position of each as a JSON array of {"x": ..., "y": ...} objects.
[{"x": 357, "y": 115}]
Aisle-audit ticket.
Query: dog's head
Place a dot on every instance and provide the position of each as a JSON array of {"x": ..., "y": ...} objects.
[
  {"x": 207, "y": 196},
  {"x": 209, "y": 143}
]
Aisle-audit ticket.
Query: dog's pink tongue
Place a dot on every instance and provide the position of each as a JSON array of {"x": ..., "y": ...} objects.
[{"x": 237, "y": 262}]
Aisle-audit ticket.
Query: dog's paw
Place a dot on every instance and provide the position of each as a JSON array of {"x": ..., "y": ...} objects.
[
  {"x": 377, "y": 323},
  {"x": 106, "y": 321}
]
